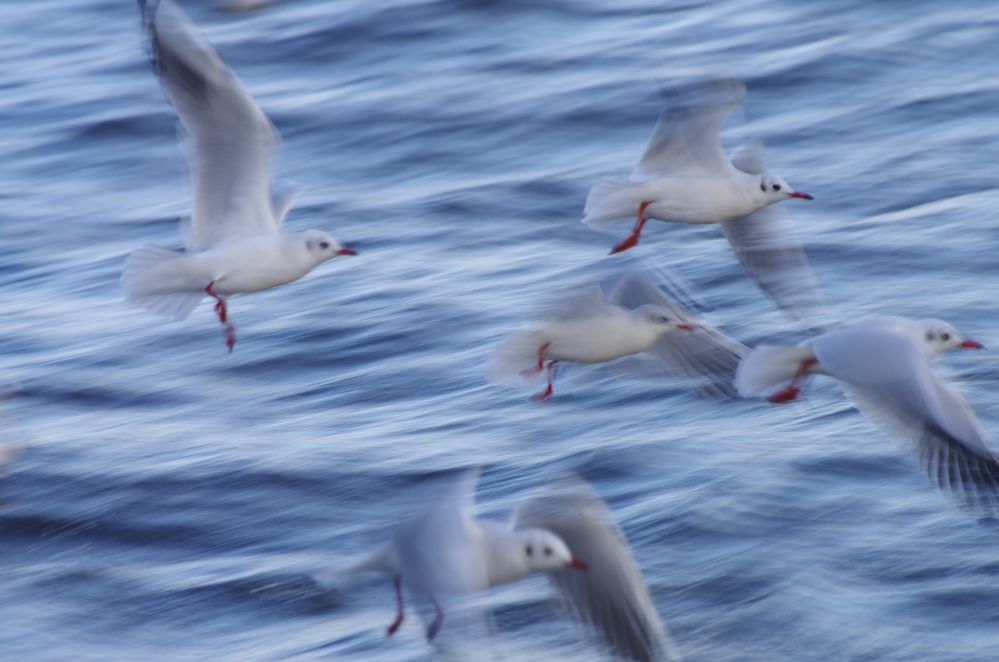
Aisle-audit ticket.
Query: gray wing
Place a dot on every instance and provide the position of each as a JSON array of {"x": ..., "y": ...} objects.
[
  {"x": 705, "y": 354},
  {"x": 931, "y": 419},
  {"x": 440, "y": 557},
  {"x": 232, "y": 140},
  {"x": 687, "y": 135},
  {"x": 437, "y": 547},
  {"x": 766, "y": 245},
  {"x": 611, "y": 597}
]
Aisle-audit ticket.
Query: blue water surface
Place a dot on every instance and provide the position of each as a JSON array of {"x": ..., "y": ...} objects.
[{"x": 172, "y": 501}]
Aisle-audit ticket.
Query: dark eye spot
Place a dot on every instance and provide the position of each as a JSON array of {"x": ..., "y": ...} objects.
[
  {"x": 324, "y": 245},
  {"x": 930, "y": 336},
  {"x": 530, "y": 550},
  {"x": 548, "y": 551},
  {"x": 945, "y": 336},
  {"x": 776, "y": 187},
  {"x": 763, "y": 187}
]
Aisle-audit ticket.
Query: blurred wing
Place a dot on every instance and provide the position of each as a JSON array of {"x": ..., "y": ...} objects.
[
  {"x": 233, "y": 140},
  {"x": 705, "y": 354},
  {"x": 611, "y": 597},
  {"x": 439, "y": 550},
  {"x": 929, "y": 417},
  {"x": 766, "y": 245},
  {"x": 687, "y": 135},
  {"x": 592, "y": 304},
  {"x": 749, "y": 157},
  {"x": 283, "y": 194}
]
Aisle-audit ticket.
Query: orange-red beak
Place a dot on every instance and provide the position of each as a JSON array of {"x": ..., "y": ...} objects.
[
  {"x": 576, "y": 563},
  {"x": 346, "y": 251},
  {"x": 686, "y": 327},
  {"x": 972, "y": 344},
  {"x": 803, "y": 196}
]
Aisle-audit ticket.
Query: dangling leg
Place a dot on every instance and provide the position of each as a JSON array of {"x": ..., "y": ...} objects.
[
  {"x": 435, "y": 626},
  {"x": 632, "y": 240},
  {"x": 398, "y": 619},
  {"x": 223, "y": 312},
  {"x": 547, "y": 393},
  {"x": 529, "y": 372},
  {"x": 793, "y": 390}
]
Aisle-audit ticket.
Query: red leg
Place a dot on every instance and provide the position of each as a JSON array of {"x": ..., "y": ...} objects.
[
  {"x": 632, "y": 240},
  {"x": 401, "y": 614},
  {"x": 793, "y": 389},
  {"x": 223, "y": 312},
  {"x": 220, "y": 307},
  {"x": 547, "y": 393},
  {"x": 528, "y": 372},
  {"x": 435, "y": 626}
]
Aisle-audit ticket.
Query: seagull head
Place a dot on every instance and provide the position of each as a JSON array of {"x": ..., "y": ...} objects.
[
  {"x": 544, "y": 551},
  {"x": 321, "y": 246},
  {"x": 661, "y": 319},
  {"x": 775, "y": 189},
  {"x": 938, "y": 336}
]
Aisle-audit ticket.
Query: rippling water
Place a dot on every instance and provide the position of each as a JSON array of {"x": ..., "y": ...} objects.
[{"x": 171, "y": 500}]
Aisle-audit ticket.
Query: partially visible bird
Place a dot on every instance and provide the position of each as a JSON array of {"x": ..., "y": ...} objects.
[
  {"x": 883, "y": 365},
  {"x": 612, "y": 600}
]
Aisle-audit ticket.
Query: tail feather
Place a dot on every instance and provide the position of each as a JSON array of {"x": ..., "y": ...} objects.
[
  {"x": 612, "y": 199},
  {"x": 382, "y": 560},
  {"x": 515, "y": 360},
  {"x": 163, "y": 281},
  {"x": 767, "y": 367}
]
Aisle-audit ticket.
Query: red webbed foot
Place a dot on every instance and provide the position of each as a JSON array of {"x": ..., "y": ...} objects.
[{"x": 789, "y": 394}]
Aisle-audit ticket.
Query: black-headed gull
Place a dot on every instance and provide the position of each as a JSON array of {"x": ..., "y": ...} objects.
[
  {"x": 883, "y": 365},
  {"x": 444, "y": 552},
  {"x": 631, "y": 317},
  {"x": 235, "y": 242},
  {"x": 685, "y": 176}
]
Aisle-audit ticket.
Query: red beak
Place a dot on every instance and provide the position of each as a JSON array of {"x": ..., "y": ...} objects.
[
  {"x": 803, "y": 196},
  {"x": 971, "y": 344},
  {"x": 576, "y": 563},
  {"x": 686, "y": 327},
  {"x": 346, "y": 251}
]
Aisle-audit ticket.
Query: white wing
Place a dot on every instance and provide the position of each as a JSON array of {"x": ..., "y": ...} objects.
[
  {"x": 892, "y": 384},
  {"x": 766, "y": 245},
  {"x": 703, "y": 354},
  {"x": 611, "y": 597},
  {"x": 592, "y": 304},
  {"x": 687, "y": 135},
  {"x": 440, "y": 551},
  {"x": 233, "y": 141}
]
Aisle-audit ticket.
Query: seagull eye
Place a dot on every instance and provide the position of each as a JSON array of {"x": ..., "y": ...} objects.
[
  {"x": 530, "y": 550},
  {"x": 776, "y": 187},
  {"x": 930, "y": 336},
  {"x": 324, "y": 245},
  {"x": 763, "y": 187},
  {"x": 548, "y": 551},
  {"x": 945, "y": 336}
]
